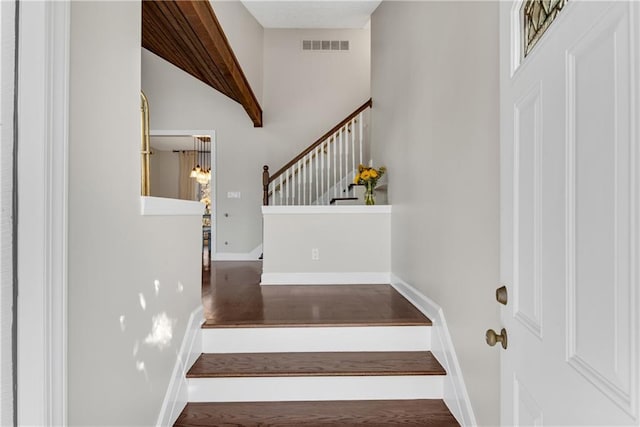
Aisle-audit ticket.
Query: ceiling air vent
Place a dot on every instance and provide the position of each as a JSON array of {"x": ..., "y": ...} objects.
[{"x": 325, "y": 44}]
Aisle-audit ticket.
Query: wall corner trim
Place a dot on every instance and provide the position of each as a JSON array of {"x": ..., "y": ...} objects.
[
  {"x": 176, "y": 396},
  {"x": 455, "y": 390}
]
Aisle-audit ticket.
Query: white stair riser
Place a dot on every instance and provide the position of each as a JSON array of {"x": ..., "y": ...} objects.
[
  {"x": 301, "y": 339},
  {"x": 254, "y": 389}
]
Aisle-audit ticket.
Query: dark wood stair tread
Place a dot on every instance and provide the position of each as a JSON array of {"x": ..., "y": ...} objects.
[
  {"x": 315, "y": 364},
  {"x": 421, "y": 412},
  {"x": 238, "y": 305}
]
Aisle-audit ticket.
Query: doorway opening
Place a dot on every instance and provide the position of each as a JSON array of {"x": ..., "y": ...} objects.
[{"x": 182, "y": 166}]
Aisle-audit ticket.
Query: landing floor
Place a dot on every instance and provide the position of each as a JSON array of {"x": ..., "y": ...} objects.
[{"x": 232, "y": 297}]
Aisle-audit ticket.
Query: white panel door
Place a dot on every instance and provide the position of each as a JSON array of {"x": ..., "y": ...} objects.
[{"x": 570, "y": 218}]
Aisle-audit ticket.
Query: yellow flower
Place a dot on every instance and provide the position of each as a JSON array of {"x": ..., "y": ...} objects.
[
  {"x": 373, "y": 173},
  {"x": 357, "y": 178},
  {"x": 361, "y": 167},
  {"x": 365, "y": 174}
]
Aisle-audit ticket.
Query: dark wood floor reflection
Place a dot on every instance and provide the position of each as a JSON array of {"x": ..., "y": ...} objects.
[{"x": 232, "y": 297}]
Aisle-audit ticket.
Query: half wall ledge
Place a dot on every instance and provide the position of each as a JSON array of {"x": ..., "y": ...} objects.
[{"x": 150, "y": 205}]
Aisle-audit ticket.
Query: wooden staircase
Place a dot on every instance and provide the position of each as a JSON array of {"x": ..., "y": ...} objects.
[{"x": 309, "y": 365}]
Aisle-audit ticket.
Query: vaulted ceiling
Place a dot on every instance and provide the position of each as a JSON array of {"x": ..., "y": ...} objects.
[
  {"x": 314, "y": 14},
  {"x": 188, "y": 35}
]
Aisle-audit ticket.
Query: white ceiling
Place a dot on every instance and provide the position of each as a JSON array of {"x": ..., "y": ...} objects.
[{"x": 312, "y": 14}]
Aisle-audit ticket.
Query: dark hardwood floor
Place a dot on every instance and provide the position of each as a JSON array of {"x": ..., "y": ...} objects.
[{"x": 233, "y": 297}]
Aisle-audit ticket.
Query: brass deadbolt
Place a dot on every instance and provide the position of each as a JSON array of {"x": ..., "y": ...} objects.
[
  {"x": 493, "y": 338},
  {"x": 501, "y": 295}
]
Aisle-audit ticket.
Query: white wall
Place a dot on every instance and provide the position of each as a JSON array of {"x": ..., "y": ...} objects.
[
  {"x": 7, "y": 39},
  {"x": 302, "y": 95},
  {"x": 435, "y": 126},
  {"x": 164, "y": 173},
  {"x": 115, "y": 375},
  {"x": 352, "y": 244},
  {"x": 308, "y": 92}
]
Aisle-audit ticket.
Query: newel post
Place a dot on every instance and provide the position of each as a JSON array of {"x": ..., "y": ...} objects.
[{"x": 265, "y": 185}]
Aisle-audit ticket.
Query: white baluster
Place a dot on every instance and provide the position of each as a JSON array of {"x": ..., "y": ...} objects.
[
  {"x": 339, "y": 163},
  {"x": 353, "y": 155},
  {"x": 329, "y": 150},
  {"x": 272, "y": 193},
  {"x": 281, "y": 188},
  {"x": 310, "y": 177},
  {"x": 287, "y": 179},
  {"x": 317, "y": 179},
  {"x": 304, "y": 181},
  {"x": 345, "y": 184},
  {"x": 300, "y": 184},
  {"x": 294, "y": 180},
  {"x": 323, "y": 149},
  {"x": 335, "y": 165},
  {"x": 294, "y": 189},
  {"x": 360, "y": 136}
]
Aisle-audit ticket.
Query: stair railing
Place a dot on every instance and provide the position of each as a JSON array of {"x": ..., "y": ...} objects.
[{"x": 322, "y": 171}]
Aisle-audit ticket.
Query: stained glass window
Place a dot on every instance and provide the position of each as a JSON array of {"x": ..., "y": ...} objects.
[{"x": 537, "y": 16}]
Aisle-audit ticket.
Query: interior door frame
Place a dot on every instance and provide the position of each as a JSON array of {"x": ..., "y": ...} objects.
[{"x": 42, "y": 186}]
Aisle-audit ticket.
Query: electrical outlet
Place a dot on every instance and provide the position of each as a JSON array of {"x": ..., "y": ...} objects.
[{"x": 315, "y": 254}]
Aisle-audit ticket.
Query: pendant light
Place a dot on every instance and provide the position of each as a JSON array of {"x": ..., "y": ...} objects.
[
  {"x": 201, "y": 150},
  {"x": 196, "y": 166}
]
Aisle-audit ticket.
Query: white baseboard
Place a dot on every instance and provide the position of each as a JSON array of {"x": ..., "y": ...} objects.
[
  {"x": 177, "y": 394},
  {"x": 455, "y": 391},
  {"x": 351, "y": 278},
  {"x": 238, "y": 256}
]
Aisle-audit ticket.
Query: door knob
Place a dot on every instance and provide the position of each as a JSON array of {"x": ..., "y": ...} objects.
[
  {"x": 501, "y": 295},
  {"x": 493, "y": 338}
]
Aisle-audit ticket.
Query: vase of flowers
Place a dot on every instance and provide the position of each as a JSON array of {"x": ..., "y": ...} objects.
[{"x": 369, "y": 178}]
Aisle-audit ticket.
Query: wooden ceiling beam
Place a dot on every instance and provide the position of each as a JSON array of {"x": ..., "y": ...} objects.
[{"x": 187, "y": 34}]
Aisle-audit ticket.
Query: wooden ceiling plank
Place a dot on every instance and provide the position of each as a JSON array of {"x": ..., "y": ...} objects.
[
  {"x": 157, "y": 43},
  {"x": 209, "y": 31},
  {"x": 157, "y": 39},
  {"x": 173, "y": 33},
  {"x": 202, "y": 58},
  {"x": 188, "y": 34}
]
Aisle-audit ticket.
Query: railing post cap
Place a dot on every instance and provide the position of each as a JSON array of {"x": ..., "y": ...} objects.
[{"x": 265, "y": 167}]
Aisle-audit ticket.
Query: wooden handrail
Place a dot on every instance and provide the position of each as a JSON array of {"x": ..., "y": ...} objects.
[{"x": 320, "y": 140}]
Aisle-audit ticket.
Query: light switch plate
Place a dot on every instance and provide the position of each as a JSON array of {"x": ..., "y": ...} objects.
[{"x": 233, "y": 195}]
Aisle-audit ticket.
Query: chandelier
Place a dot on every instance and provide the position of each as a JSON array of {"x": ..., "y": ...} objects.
[{"x": 201, "y": 171}]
